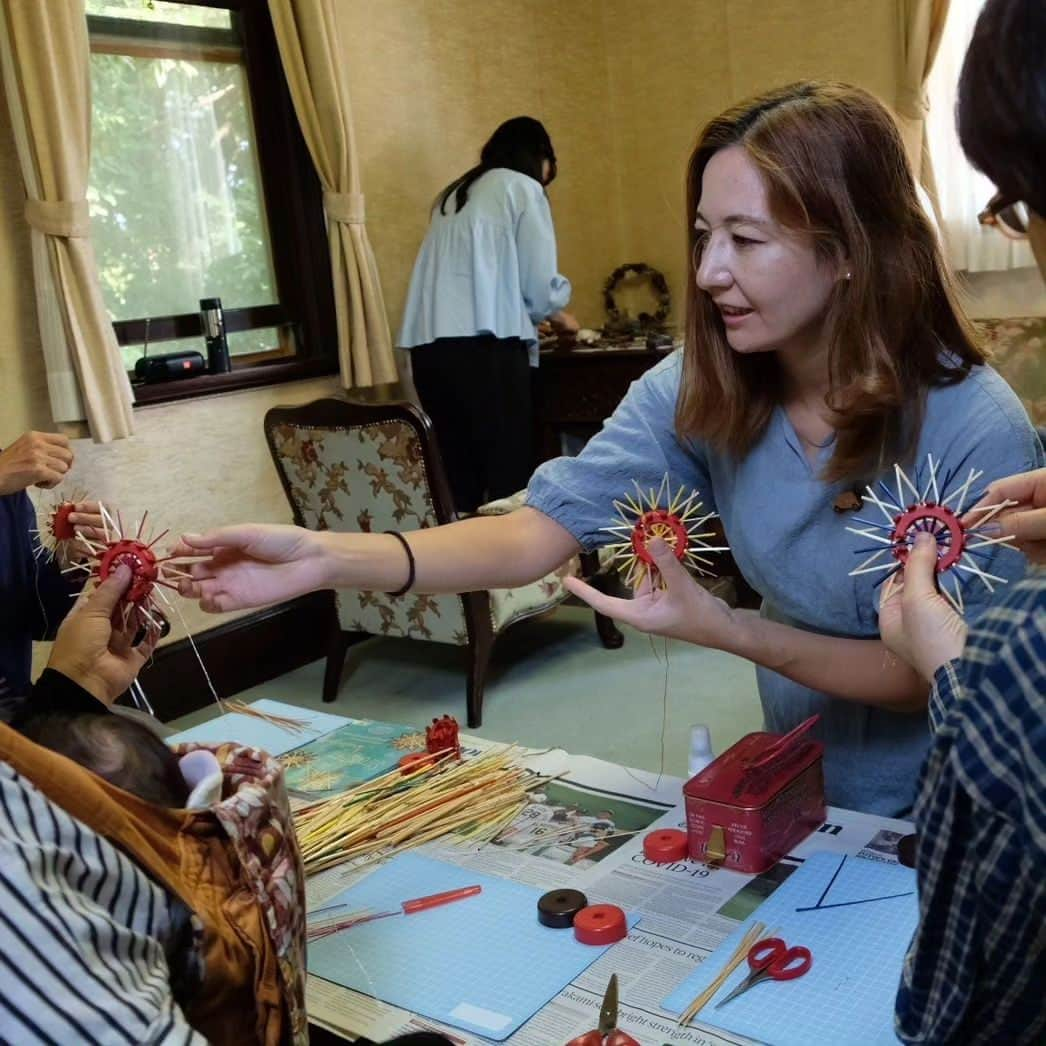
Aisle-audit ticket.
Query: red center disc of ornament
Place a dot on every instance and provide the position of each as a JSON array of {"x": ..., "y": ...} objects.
[
  {"x": 61, "y": 528},
  {"x": 600, "y": 924},
  {"x": 659, "y": 523},
  {"x": 937, "y": 520},
  {"x": 140, "y": 558}
]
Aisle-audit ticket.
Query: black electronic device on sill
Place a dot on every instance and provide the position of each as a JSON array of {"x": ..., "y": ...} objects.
[{"x": 170, "y": 366}]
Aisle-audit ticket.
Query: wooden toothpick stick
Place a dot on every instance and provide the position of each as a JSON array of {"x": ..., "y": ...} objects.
[{"x": 754, "y": 933}]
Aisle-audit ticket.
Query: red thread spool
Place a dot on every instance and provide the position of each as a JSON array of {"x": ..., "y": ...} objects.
[
  {"x": 140, "y": 558},
  {"x": 666, "y": 845},
  {"x": 61, "y": 528},
  {"x": 936, "y": 520},
  {"x": 659, "y": 523},
  {"x": 600, "y": 924}
]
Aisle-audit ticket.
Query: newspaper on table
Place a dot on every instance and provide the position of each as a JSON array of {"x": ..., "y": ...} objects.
[{"x": 584, "y": 829}]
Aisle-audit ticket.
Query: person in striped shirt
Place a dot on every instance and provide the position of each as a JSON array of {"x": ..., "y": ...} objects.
[
  {"x": 98, "y": 947},
  {"x": 94, "y": 950}
]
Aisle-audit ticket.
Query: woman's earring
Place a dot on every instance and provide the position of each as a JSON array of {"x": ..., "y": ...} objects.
[{"x": 849, "y": 275}]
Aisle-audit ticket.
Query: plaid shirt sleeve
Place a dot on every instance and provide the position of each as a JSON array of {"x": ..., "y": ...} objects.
[{"x": 976, "y": 968}]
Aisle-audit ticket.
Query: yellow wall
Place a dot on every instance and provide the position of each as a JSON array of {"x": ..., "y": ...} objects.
[
  {"x": 623, "y": 89},
  {"x": 674, "y": 69},
  {"x": 431, "y": 79}
]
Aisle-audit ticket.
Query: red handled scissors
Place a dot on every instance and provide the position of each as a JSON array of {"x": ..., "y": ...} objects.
[
  {"x": 608, "y": 1033},
  {"x": 772, "y": 960}
]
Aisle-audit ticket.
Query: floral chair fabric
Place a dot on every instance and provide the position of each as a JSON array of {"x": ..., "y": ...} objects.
[
  {"x": 368, "y": 478},
  {"x": 372, "y": 478},
  {"x": 1018, "y": 349}
]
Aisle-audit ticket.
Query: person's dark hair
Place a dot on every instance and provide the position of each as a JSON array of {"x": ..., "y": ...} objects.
[
  {"x": 836, "y": 171},
  {"x": 123, "y": 752},
  {"x": 1002, "y": 99},
  {"x": 520, "y": 144}
]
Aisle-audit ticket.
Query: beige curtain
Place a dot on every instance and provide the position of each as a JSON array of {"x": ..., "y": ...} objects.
[
  {"x": 921, "y": 23},
  {"x": 307, "y": 34},
  {"x": 46, "y": 70}
]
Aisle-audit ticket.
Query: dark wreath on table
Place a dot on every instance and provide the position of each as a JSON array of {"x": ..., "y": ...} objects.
[{"x": 619, "y": 322}]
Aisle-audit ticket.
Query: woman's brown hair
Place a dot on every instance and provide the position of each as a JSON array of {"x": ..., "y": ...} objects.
[{"x": 835, "y": 169}]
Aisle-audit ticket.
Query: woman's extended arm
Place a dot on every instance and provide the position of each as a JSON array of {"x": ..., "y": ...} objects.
[
  {"x": 254, "y": 564},
  {"x": 860, "y": 670}
]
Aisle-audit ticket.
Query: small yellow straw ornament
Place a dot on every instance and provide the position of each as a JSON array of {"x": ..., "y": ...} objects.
[{"x": 675, "y": 519}]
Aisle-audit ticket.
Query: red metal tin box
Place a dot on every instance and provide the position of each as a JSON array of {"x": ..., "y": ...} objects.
[{"x": 750, "y": 806}]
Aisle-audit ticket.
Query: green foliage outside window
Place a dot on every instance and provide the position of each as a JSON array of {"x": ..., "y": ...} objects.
[{"x": 175, "y": 194}]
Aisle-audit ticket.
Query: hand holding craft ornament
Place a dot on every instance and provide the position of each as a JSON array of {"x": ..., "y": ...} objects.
[
  {"x": 674, "y": 518},
  {"x": 1025, "y": 516},
  {"x": 57, "y": 538},
  {"x": 661, "y": 537},
  {"x": 926, "y": 506},
  {"x": 138, "y": 608},
  {"x": 915, "y": 622},
  {"x": 89, "y": 651},
  {"x": 676, "y": 606}
]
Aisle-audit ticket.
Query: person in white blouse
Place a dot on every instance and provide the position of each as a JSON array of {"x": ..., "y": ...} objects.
[{"x": 485, "y": 276}]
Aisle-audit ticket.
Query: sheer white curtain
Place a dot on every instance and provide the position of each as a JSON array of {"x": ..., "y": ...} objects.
[{"x": 962, "y": 192}]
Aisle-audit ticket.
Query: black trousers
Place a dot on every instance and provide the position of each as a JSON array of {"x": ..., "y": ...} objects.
[{"x": 477, "y": 391}]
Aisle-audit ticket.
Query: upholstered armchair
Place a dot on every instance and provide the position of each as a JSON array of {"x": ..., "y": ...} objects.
[
  {"x": 1018, "y": 352},
  {"x": 354, "y": 466}
]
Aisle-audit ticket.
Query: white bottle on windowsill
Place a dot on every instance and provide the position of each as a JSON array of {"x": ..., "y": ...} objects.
[{"x": 700, "y": 749}]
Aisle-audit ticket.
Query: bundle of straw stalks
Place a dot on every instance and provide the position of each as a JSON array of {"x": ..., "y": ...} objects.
[
  {"x": 472, "y": 799},
  {"x": 289, "y": 723}
]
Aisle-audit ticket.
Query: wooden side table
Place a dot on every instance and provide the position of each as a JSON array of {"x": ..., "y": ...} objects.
[{"x": 577, "y": 390}]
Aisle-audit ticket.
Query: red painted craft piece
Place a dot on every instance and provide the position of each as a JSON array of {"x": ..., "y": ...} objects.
[
  {"x": 659, "y": 523},
  {"x": 442, "y": 736},
  {"x": 59, "y": 525},
  {"x": 938, "y": 520},
  {"x": 145, "y": 570},
  {"x": 138, "y": 607}
]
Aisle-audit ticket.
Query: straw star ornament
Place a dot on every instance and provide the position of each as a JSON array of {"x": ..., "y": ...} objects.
[
  {"x": 57, "y": 537},
  {"x": 909, "y": 510},
  {"x": 674, "y": 518},
  {"x": 150, "y": 571}
]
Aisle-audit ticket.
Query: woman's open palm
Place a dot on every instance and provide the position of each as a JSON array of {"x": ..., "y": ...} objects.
[{"x": 681, "y": 609}]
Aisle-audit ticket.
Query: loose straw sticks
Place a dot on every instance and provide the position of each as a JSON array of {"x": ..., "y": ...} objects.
[
  {"x": 291, "y": 724},
  {"x": 754, "y": 933},
  {"x": 472, "y": 799}
]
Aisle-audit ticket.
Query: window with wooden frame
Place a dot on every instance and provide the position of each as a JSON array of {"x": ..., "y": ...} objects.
[{"x": 201, "y": 186}]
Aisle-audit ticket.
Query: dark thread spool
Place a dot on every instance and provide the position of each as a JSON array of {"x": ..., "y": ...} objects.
[{"x": 557, "y": 908}]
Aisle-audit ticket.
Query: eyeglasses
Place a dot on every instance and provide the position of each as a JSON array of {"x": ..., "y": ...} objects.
[{"x": 1010, "y": 217}]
